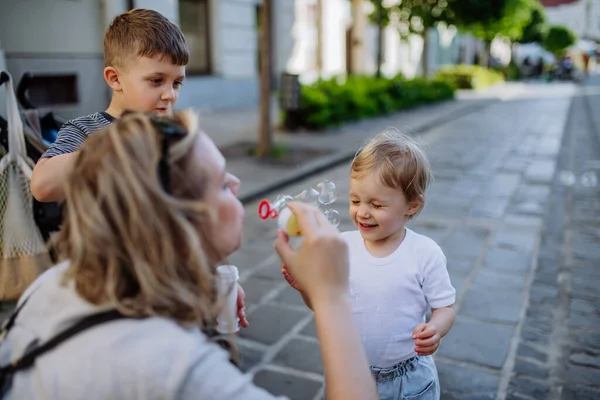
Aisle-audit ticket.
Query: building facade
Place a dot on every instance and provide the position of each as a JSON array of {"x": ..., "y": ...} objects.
[
  {"x": 581, "y": 16},
  {"x": 64, "y": 37},
  {"x": 311, "y": 38},
  {"x": 349, "y": 43}
]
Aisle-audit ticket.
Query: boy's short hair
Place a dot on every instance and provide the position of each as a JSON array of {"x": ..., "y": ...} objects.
[
  {"x": 400, "y": 161},
  {"x": 143, "y": 33}
]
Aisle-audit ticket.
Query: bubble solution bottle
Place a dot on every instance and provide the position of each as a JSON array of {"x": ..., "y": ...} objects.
[{"x": 323, "y": 195}]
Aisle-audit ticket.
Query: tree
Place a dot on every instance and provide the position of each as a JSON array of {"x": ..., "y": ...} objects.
[
  {"x": 265, "y": 137},
  {"x": 413, "y": 17},
  {"x": 468, "y": 13},
  {"x": 382, "y": 20},
  {"x": 558, "y": 39},
  {"x": 421, "y": 16},
  {"x": 486, "y": 19},
  {"x": 535, "y": 31}
]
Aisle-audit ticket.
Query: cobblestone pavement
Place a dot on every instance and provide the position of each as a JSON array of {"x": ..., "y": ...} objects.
[
  {"x": 558, "y": 356},
  {"x": 522, "y": 253}
]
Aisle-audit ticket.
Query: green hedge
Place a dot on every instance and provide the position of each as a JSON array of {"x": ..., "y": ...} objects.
[
  {"x": 338, "y": 100},
  {"x": 470, "y": 76}
]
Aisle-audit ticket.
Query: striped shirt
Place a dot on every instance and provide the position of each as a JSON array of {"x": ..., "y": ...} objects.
[{"x": 74, "y": 132}]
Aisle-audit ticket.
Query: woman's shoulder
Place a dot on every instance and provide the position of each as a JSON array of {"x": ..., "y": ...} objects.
[{"x": 52, "y": 274}]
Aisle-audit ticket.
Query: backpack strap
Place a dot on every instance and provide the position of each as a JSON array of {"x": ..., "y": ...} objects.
[
  {"x": 8, "y": 324},
  {"x": 27, "y": 360}
]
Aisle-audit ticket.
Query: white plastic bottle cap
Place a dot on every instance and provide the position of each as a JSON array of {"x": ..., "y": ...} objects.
[{"x": 228, "y": 272}]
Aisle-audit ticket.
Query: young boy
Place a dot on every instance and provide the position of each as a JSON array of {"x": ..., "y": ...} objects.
[
  {"x": 144, "y": 57},
  {"x": 396, "y": 274}
]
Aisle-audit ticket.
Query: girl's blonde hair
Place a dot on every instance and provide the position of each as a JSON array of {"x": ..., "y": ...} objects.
[
  {"x": 400, "y": 162},
  {"x": 128, "y": 240}
]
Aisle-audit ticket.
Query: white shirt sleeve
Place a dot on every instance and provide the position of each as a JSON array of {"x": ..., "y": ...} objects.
[{"x": 437, "y": 288}]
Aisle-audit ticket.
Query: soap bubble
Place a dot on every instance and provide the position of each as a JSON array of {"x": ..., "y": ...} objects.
[
  {"x": 567, "y": 178},
  {"x": 333, "y": 217},
  {"x": 281, "y": 202},
  {"x": 327, "y": 192},
  {"x": 589, "y": 179},
  {"x": 310, "y": 196},
  {"x": 322, "y": 197}
]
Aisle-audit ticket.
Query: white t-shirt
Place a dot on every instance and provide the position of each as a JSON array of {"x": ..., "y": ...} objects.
[
  {"x": 391, "y": 295},
  {"x": 153, "y": 358}
]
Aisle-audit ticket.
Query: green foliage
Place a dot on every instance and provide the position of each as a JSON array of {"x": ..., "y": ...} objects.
[
  {"x": 380, "y": 14},
  {"x": 558, "y": 39},
  {"x": 334, "y": 101},
  {"x": 511, "y": 71},
  {"x": 488, "y": 18},
  {"x": 478, "y": 12},
  {"x": 535, "y": 31},
  {"x": 412, "y": 16},
  {"x": 276, "y": 151},
  {"x": 514, "y": 19},
  {"x": 470, "y": 76}
]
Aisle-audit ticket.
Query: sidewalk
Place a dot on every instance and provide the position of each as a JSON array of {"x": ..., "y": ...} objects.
[
  {"x": 336, "y": 145},
  {"x": 492, "y": 209}
]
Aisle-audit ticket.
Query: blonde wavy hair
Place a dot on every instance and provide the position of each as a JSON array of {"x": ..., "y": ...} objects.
[
  {"x": 130, "y": 242},
  {"x": 400, "y": 161}
]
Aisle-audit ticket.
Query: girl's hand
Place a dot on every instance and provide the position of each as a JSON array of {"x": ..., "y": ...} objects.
[{"x": 427, "y": 339}]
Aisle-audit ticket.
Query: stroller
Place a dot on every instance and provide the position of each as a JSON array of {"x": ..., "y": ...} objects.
[{"x": 40, "y": 132}]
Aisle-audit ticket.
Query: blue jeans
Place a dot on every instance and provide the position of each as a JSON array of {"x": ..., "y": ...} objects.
[{"x": 412, "y": 379}]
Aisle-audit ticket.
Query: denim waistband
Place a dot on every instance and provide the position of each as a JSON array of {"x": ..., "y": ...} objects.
[{"x": 390, "y": 373}]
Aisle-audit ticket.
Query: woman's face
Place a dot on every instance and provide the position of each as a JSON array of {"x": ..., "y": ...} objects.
[{"x": 220, "y": 195}]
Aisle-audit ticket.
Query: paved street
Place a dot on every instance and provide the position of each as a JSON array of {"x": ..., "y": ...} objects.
[{"x": 518, "y": 219}]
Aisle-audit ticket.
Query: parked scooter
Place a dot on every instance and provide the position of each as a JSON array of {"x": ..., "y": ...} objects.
[{"x": 563, "y": 70}]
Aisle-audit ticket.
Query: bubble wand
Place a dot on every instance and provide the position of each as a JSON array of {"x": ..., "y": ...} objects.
[{"x": 322, "y": 195}]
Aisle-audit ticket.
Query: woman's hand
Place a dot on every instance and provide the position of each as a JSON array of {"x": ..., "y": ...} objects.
[
  {"x": 241, "y": 307},
  {"x": 320, "y": 269},
  {"x": 320, "y": 266},
  {"x": 290, "y": 279}
]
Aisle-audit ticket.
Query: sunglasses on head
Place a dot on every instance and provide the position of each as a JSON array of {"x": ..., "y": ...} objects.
[{"x": 168, "y": 128}]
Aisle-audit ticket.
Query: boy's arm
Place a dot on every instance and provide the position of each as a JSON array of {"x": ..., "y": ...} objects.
[
  {"x": 52, "y": 169},
  {"x": 49, "y": 176}
]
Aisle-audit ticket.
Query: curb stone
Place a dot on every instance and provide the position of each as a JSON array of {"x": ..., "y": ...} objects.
[{"x": 327, "y": 162}]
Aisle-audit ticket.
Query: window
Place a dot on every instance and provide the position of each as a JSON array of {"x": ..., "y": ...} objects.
[{"x": 193, "y": 19}]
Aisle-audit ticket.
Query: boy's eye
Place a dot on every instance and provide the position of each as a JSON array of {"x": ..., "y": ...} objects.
[
  {"x": 177, "y": 83},
  {"x": 354, "y": 201},
  {"x": 376, "y": 206},
  {"x": 156, "y": 81}
]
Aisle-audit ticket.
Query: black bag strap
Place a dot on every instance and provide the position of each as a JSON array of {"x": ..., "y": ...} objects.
[
  {"x": 11, "y": 320},
  {"x": 27, "y": 360}
]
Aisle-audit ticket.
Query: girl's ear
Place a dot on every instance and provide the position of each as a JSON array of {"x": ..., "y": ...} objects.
[{"x": 415, "y": 205}]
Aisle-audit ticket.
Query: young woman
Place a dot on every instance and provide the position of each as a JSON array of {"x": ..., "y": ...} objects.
[{"x": 150, "y": 213}]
